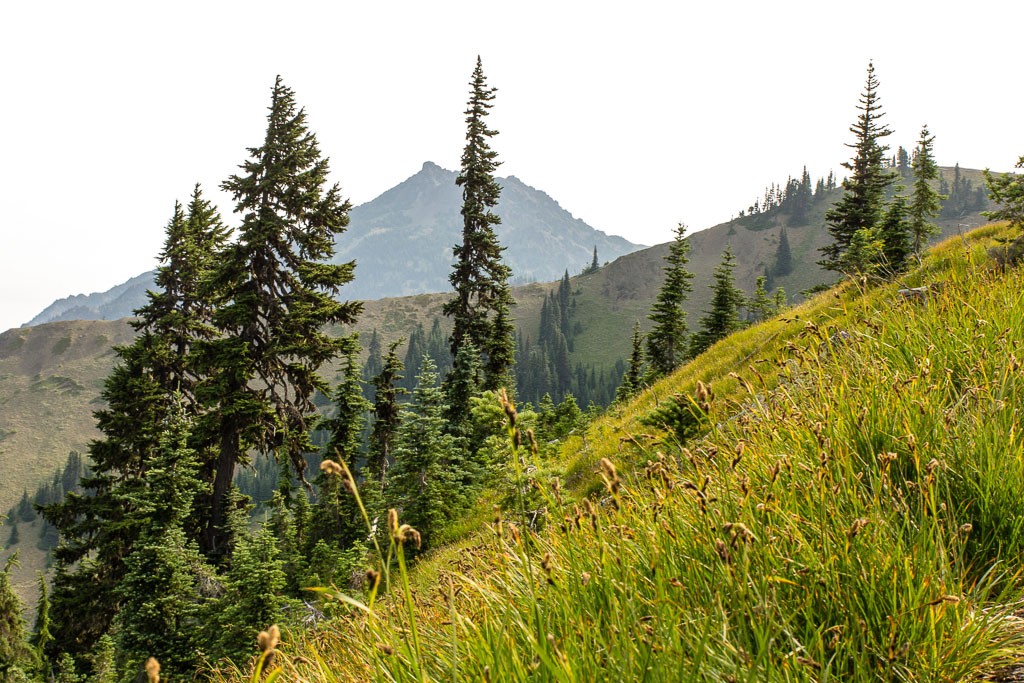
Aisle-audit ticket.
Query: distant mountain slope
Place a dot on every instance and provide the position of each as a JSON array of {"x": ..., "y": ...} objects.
[
  {"x": 116, "y": 302},
  {"x": 402, "y": 244}
]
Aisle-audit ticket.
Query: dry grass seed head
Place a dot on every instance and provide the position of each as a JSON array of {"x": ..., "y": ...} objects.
[
  {"x": 269, "y": 639},
  {"x": 330, "y": 468},
  {"x": 152, "y": 670}
]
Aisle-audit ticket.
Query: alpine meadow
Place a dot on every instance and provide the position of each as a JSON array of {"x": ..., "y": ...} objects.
[{"x": 788, "y": 447}]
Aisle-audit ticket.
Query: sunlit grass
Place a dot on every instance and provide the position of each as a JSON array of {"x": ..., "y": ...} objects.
[{"x": 852, "y": 514}]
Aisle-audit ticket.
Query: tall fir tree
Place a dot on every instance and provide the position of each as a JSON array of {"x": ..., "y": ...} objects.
[
  {"x": 783, "y": 256},
  {"x": 154, "y": 380},
  {"x": 1007, "y": 190},
  {"x": 726, "y": 300},
  {"x": 667, "y": 340},
  {"x": 896, "y": 233},
  {"x": 862, "y": 204},
  {"x": 336, "y": 517},
  {"x": 276, "y": 291},
  {"x": 925, "y": 200},
  {"x": 15, "y": 654},
  {"x": 386, "y": 415},
  {"x": 633, "y": 377},
  {"x": 424, "y": 483},
  {"x": 481, "y": 307}
]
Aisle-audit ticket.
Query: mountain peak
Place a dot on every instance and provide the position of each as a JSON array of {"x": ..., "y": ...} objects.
[{"x": 430, "y": 168}]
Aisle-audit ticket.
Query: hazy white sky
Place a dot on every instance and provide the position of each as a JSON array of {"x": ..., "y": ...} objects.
[{"x": 633, "y": 117}]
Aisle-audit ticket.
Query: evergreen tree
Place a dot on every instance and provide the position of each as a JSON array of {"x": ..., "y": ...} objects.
[
  {"x": 275, "y": 291},
  {"x": 459, "y": 387},
  {"x": 157, "y": 596},
  {"x": 632, "y": 379},
  {"x": 760, "y": 305},
  {"x": 41, "y": 635},
  {"x": 15, "y": 654},
  {"x": 160, "y": 605},
  {"x": 1007, "y": 190},
  {"x": 101, "y": 520},
  {"x": 896, "y": 233},
  {"x": 783, "y": 256},
  {"x": 480, "y": 308},
  {"x": 799, "y": 199},
  {"x": 386, "y": 415},
  {"x": 336, "y": 517},
  {"x": 595, "y": 265},
  {"x": 862, "y": 204},
  {"x": 104, "y": 668},
  {"x": 726, "y": 299},
  {"x": 667, "y": 340},
  {"x": 374, "y": 364},
  {"x": 424, "y": 481},
  {"x": 253, "y": 599},
  {"x": 925, "y": 201},
  {"x": 178, "y": 313}
]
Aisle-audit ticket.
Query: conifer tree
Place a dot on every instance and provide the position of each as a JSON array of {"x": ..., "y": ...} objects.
[
  {"x": 386, "y": 415},
  {"x": 667, "y": 340},
  {"x": 925, "y": 200},
  {"x": 152, "y": 383},
  {"x": 726, "y": 299},
  {"x": 480, "y": 308},
  {"x": 1007, "y": 190},
  {"x": 424, "y": 481},
  {"x": 275, "y": 291},
  {"x": 632, "y": 378},
  {"x": 41, "y": 635},
  {"x": 15, "y": 654},
  {"x": 253, "y": 598},
  {"x": 862, "y": 204},
  {"x": 760, "y": 305},
  {"x": 158, "y": 602},
  {"x": 896, "y": 234},
  {"x": 783, "y": 256},
  {"x": 336, "y": 518},
  {"x": 595, "y": 265}
]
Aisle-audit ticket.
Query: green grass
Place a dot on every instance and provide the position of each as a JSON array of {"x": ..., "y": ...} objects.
[{"x": 853, "y": 514}]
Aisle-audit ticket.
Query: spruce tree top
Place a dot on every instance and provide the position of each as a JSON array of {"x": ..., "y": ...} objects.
[
  {"x": 275, "y": 281},
  {"x": 862, "y": 204}
]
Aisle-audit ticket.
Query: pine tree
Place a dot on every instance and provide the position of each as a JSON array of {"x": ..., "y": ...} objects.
[
  {"x": 799, "y": 199},
  {"x": 726, "y": 299},
  {"x": 480, "y": 277},
  {"x": 667, "y": 340},
  {"x": 158, "y": 604},
  {"x": 41, "y": 635},
  {"x": 275, "y": 292},
  {"x": 783, "y": 256},
  {"x": 925, "y": 201},
  {"x": 424, "y": 480},
  {"x": 104, "y": 668},
  {"x": 632, "y": 378},
  {"x": 862, "y": 204},
  {"x": 386, "y": 415},
  {"x": 896, "y": 233},
  {"x": 1007, "y": 190},
  {"x": 336, "y": 517},
  {"x": 595, "y": 265},
  {"x": 253, "y": 599},
  {"x": 760, "y": 305},
  {"x": 14, "y": 651}
]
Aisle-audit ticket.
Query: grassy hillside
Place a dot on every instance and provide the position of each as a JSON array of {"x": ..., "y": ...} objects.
[{"x": 848, "y": 508}]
